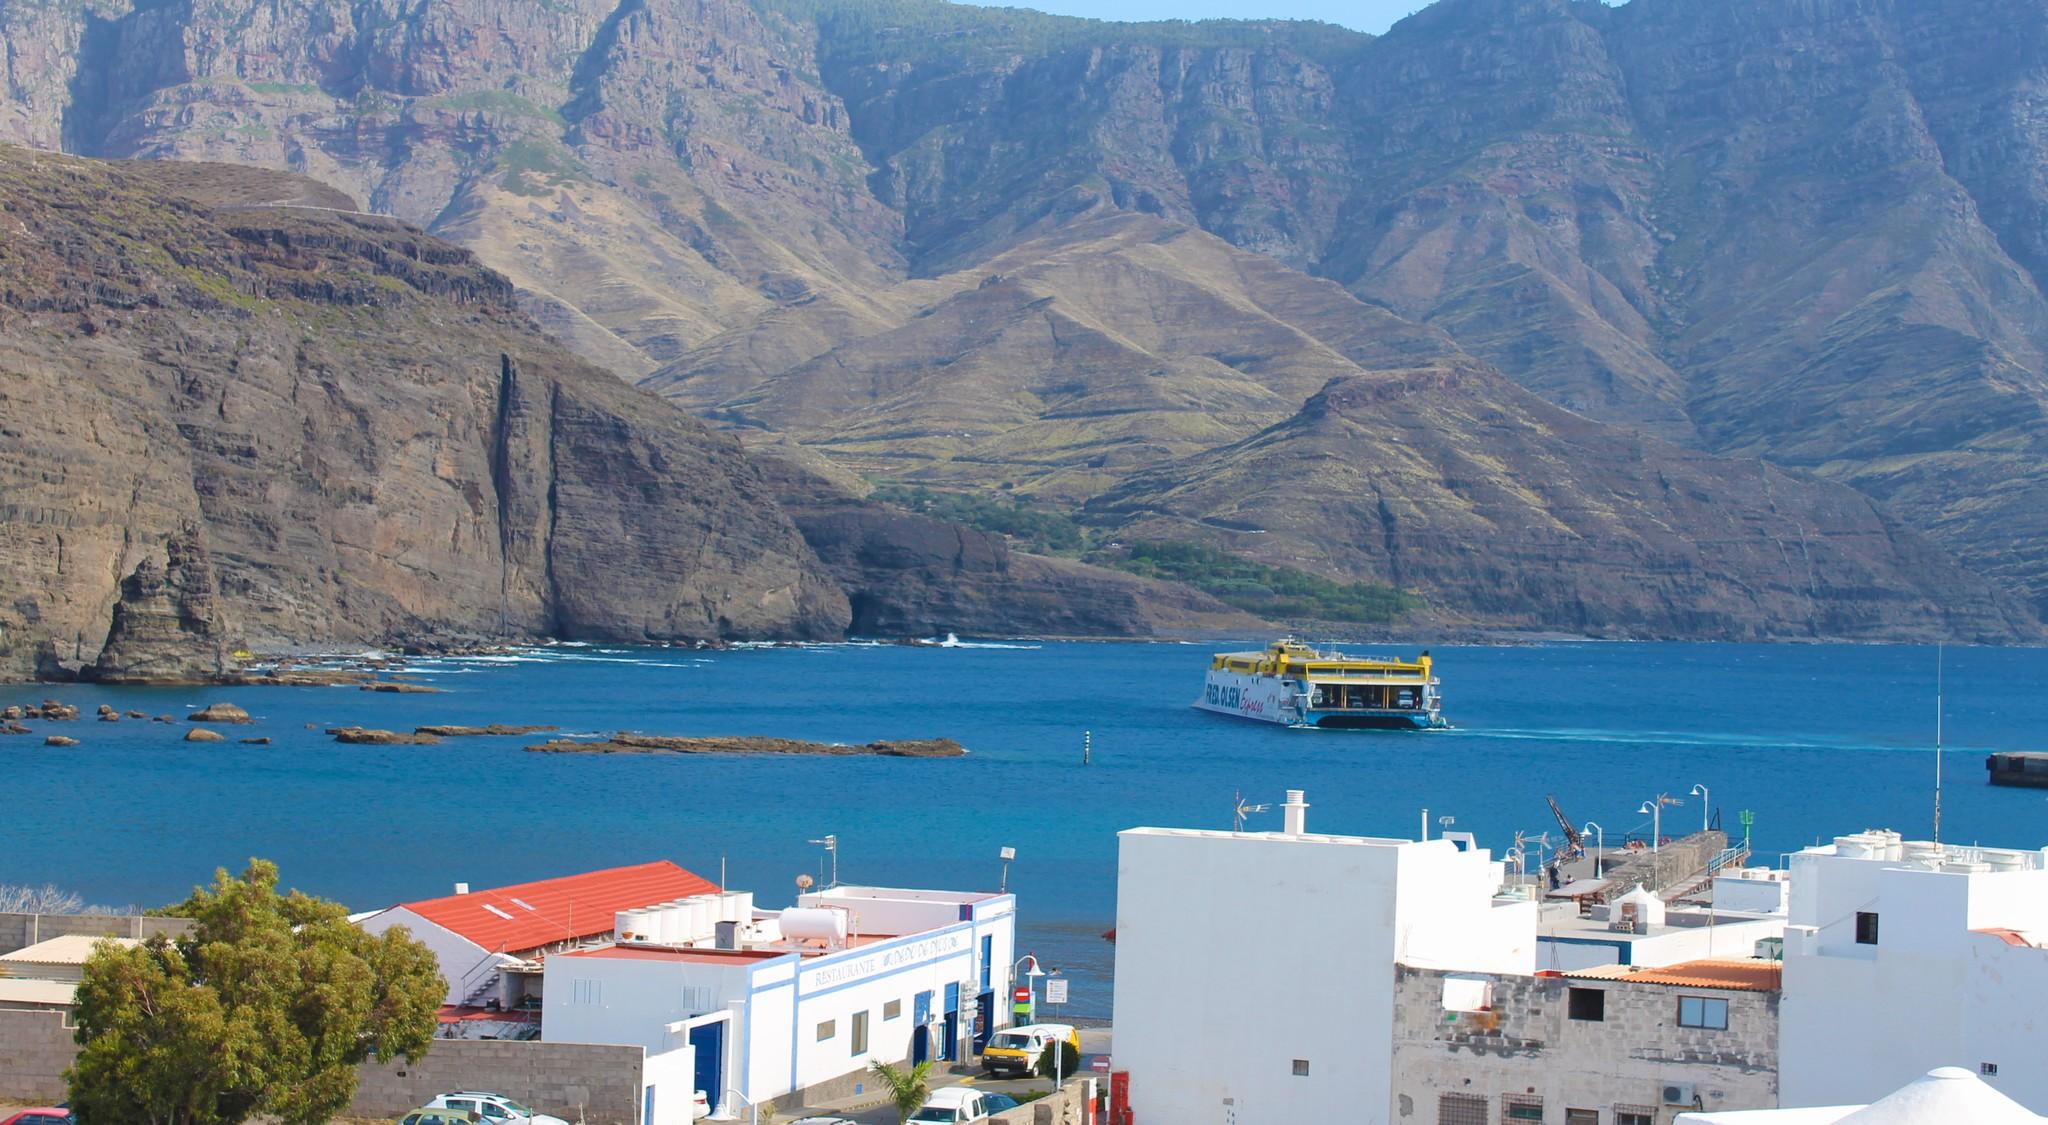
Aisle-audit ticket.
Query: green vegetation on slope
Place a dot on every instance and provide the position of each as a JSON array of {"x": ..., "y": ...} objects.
[{"x": 1273, "y": 592}]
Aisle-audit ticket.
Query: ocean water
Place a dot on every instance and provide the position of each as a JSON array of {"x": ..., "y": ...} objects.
[{"x": 1815, "y": 740}]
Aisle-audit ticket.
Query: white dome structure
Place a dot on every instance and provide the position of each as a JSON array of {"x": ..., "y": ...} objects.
[{"x": 1947, "y": 1095}]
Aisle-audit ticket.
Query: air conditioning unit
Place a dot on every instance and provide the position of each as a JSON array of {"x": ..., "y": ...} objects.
[{"x": 1680, "y": 1093}]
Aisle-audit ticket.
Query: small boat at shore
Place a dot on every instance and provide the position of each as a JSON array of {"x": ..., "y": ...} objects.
[{"x": 1296, "y": 685}]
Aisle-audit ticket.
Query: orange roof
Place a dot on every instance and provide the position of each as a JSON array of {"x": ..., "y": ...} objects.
[
  {"x": 1736, "y": 976},
  {"x": 530, "y": 915}
]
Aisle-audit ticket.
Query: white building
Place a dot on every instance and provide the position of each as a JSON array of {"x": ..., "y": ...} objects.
[
  {"x": 1902, "y": 956},
  {"x": 800, "y": 1000},
  {"x": 1255, "y": 972},
  {"x": 490, "y": 942},
  {"x": 1747, "y": 916}
]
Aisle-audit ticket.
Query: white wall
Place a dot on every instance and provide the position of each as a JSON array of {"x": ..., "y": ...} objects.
[
  {"x": 673, "y": 1077},
  {"x": 457, "y": 954},
  {"x": 1239, "y": 954},
  {"x": 1859, "y": 1021},
  {"x": 633, "y": 1000}
]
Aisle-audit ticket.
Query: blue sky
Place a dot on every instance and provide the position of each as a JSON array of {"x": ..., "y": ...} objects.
[{"x": 1365, "y": 15}]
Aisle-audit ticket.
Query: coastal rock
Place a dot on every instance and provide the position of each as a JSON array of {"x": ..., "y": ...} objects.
[
  {"x": 372, "y": 737},
  {"x": 396, "y": 688},
  {"x": 258, "y": 741},
  {"x": 627, "y": 743},
  {"x": 12, "y": 727},
  {"x": 370, "y": 437},
  {"x": 167, "y": 626},
  {"x": 108, "y": 714},
  {"x": 138, "y": 714},
  {"x": 201, "y": 734},
  {"x": 59, "y": 740},
  {"x": 219, "y": 713},
  {"x": 166, "y": 718},
  {"x": 473, "y": 732}
]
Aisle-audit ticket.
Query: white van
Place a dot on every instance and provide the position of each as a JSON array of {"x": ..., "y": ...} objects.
[{"x": 1015, "y": 1050}]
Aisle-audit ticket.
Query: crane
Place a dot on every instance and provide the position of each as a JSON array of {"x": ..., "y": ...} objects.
[{"x": 1574, "y": 846}]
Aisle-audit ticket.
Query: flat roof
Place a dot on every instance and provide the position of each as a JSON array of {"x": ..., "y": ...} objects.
[
  {"x": 670, "y": 953},
  {"x": 17, "y": 991},
  {"x": 1745, "y": 975},
  {"x": 70, "y": 949},
  {"x": 1280, "y": 837},
  {"x": 904, "y": 894}
]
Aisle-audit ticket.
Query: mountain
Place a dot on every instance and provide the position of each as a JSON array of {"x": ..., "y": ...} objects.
[
  {"x": 977, "y": 247},
  {"x": 239, "y": 412},
  {"x": 1602, "y": 530}
]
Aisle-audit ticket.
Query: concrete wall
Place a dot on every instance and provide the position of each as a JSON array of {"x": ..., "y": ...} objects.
[
  {"x": 35, "y": 1047},
  {"x": 1065, "y": 1107},
  {"x": 1239, "y": 956},
  {"x": 19, "y": 931},
  {"x": 1528, "y": 1046},
  {"x": 601, "y": 1082}
]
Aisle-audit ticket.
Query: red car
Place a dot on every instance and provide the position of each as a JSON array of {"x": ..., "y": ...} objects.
[{"x": 41, "y": 1115}]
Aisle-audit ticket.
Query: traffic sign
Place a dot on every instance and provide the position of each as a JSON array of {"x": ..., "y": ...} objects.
[
  {"x": 1056, "y": 990},
  {"x": 1099, "y": 1064},
  {"x": 1021, "y": 994}
]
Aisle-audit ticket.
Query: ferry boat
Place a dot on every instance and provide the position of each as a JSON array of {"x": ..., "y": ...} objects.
[{"x": 1294, "y": 684}]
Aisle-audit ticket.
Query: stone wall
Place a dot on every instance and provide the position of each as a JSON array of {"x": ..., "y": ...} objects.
[
  {"x": 19, "y": 931},
  {"x": 1528, "y": 1047},
  {"x": 596, "y": 1083},
  {"x": 1067, "y": 1107},
  {"x": 35, "y": 1047},
  {"x": 1676, "y": 861}
]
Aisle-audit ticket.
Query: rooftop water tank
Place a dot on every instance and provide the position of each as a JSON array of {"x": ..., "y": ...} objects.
[
  {"x": 816, "y": 923},
  {"x": 622, "y": 924}
]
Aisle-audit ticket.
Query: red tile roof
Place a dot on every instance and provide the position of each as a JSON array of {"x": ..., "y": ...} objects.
[
  {"x": 531, "y": 915},
  {"x": 1734, "y": 976}
]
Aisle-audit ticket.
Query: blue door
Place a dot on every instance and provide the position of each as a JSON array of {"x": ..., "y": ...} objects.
[
  {"x": 647, "y": 1107},
  {"x": 952, "y": 1045},
  {"x": 984, "y": 1020},
  {"x": 988, "y": 950},
  {"x": 709, "y": 1039},
  {"x": 920, "y": 1019}
]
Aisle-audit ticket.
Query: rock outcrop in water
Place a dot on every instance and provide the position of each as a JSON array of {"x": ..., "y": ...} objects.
[
  {"x": 167, "y": 626},
  {"x": 624, "y": 743}
]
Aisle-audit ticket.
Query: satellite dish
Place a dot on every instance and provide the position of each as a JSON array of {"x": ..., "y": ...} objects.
[{"x": 804, "y": 882}]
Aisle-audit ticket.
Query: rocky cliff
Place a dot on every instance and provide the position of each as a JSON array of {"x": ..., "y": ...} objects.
[
  {"x": 350, "y": 426},
  {"x": 1806, "y": 233}
]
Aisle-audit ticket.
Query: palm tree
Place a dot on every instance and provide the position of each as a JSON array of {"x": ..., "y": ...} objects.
[{"x": 907, "y": 1088}]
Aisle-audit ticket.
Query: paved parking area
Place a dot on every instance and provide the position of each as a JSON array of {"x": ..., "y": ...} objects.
[{"x": 867, "y": 1110}]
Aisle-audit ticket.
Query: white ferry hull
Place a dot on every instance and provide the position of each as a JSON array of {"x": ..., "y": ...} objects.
[{"x": 1272, "y": 699}]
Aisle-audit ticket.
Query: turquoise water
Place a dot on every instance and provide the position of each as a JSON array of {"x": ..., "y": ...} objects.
[{"x": 1817, "y": 740}]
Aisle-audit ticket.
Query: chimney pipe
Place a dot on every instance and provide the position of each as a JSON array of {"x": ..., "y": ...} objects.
[
  {"x": 462, "y": 888},
  {"x": 1295, "y": 812}
]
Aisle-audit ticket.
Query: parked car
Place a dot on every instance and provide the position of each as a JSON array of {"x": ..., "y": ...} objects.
[
  {"x": 1015, "y": 1050},
  {"x": 824, "y": 1121},
  {"x": 997, "y": 1103},
  {"x": 951, "y": 1105},
  {"x": 441, "y": 1116},
  {"x": 41, "y": 1115},
  {"x": 493, "y": 1109}
]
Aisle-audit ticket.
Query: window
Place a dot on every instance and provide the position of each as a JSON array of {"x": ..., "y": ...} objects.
[
  {"x": 1634, "y": 1115},
  {"x": 892, "y": 1010},
  {"x": 1703, "y": 1011},
  {"x": 1520, "y": 1107},
  {"x": 1301, "y": 1068},
  {"x": 1988, "y": 1070},
  {"x": 495, "y": 1112},
  {"x": 1582, "y": 1117},
  {"x": 1866, "y": 927},
  {"x": 860, "y": 1033},
  {"x": 1460, "y": 1109},
  {"x": 1587, "y": 1004},
  {"x": 827, "y": 1030}
]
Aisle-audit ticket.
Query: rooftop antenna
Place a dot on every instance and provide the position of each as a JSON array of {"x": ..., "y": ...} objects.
[
  {"x": 1243, "y": 810},
  {"x": 1938, "y": 654},
  {"x": 831, "y": 845}
]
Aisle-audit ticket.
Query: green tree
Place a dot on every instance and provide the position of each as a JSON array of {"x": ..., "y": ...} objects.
[
  {"x": 265, "y": 1008},
  {"x": 907, "y": 1089},
  {"x": 1068, "y": 1059}
]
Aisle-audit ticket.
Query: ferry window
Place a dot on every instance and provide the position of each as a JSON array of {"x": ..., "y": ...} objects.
[
  {"x": 1588, "y": 1004},
  {"x": 860, "y": 1033},
  {"x": 827, "y": 1030},
  {"x": 1866, "y": 928},
  {"x": 1703, "y": 1011},
  {"x": 892, "y": 1010}
]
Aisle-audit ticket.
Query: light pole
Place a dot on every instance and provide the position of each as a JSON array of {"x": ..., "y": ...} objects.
[
  {"x": 1600, "y": 835},
  {"x": 1656, "y": 811},
  {"x": 1706, "y": 810},
  {"x": 1029, "y": 974},
  {"x": 831, "y": 845},
  {"x": 1443, "y": 825},
  {"x": 1006, "y": 855}
]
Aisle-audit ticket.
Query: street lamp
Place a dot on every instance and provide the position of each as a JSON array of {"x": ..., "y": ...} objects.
[
  {"x": 1700, "y": 791},
  {"x": 1656, "y": 811},
  {"x": 1600, "y": 835},
  {"x": 1006, "y": 855},
  {"x": 1443, "y": 825}
]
